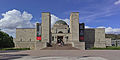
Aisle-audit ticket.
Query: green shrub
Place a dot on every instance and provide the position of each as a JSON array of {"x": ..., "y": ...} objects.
[
  {"x": 108, "y": 48},
  {"x": 15, "y": 49},
  {"x": 6, "y": 41}
]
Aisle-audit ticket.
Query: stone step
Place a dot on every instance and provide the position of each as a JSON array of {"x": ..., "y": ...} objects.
[{"x": 56, "y": 47}]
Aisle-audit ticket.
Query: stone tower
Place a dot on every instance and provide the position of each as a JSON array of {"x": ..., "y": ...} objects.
[
  {"x": 74, "y": 26},
  {"x": 46, "y": 27}
]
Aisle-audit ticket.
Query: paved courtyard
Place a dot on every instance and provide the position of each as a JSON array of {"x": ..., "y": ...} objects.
[{"x": 61, "y": 55}]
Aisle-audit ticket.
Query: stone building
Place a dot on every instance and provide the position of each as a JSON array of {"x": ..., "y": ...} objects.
[
  {"x": 115, "y": 42},
  {"x": 60, "y": 30},
  {"x": 95, "y": 38},
  {"x": 108, "y": 42},
  {"x": 43, "y": 34}
]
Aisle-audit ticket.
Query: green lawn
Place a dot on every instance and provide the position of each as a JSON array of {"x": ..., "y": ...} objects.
[
  {"x": 15, "y": 49},
  {"x": 108, "y": 48}
]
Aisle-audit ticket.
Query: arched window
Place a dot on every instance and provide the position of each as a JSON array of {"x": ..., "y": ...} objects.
[{"x": 60, "y": 32}]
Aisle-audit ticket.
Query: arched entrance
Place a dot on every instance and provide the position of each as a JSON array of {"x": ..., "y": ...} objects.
[{"x": 59, "y": 38}]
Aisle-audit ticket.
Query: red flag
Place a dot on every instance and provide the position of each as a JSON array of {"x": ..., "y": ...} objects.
[
  {"x": 39, "y": 38},
  {"x": 81, "y": 38}
]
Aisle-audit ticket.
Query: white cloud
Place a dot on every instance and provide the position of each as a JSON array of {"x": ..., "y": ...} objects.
[
  {"x": 117, "y": 2},
  {"x": 15, "y": 19},
  {"x": 67, "y": 21},
  {"x": 101, "y": 27},
  {"x": 11, "y": 32},
  {"x": 55, "y": 18},
  {"x": 110, "y": 30},
  {"x": 88, "y": 27}
]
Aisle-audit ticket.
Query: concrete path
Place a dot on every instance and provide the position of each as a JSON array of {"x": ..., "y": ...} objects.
[
  {"x": 61, "y": 58},
  {"x": 61, "y": 55}
]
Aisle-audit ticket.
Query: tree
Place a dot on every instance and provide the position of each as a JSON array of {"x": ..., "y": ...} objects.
[{"x": 6, "y": 41}]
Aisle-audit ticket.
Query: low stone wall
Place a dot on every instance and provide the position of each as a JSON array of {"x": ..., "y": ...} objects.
[
  {"x": 30, "y": 45},
  {"x": 100, "y": 45},
  {"x": 90, "y": 45},
  {"x": 40, "y": 45},
  {"x": 79, "y": 45}
]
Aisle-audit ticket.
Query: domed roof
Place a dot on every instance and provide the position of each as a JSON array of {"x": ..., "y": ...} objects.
[{"x": 60, "y": 22}]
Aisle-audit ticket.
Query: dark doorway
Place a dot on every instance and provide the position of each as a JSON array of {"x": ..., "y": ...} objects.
[
  {"x": 60, "y": 32},
  {"x": 59, "y": 38}
]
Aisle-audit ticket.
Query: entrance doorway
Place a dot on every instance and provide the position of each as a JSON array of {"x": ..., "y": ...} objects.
[{"x": 59, "y": 38}]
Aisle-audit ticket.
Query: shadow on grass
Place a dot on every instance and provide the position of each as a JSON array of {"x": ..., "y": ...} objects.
[
  {"x": 11, "y": 56},
  {"x": 7, "y": 51},
  {"x": 107, "y": 48}
]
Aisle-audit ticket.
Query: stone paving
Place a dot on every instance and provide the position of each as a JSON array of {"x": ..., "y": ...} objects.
[
  {"x": 56, "y": 47},
  {"x": 61, "y": 55}
]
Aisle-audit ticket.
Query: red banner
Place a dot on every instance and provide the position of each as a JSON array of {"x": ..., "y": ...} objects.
[
  {"x": 38, "y": 38},
  {"x": 81, "y": 38}
]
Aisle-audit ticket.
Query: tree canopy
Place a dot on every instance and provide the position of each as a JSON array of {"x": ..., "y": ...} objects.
[{"x": 6, "y": 41}]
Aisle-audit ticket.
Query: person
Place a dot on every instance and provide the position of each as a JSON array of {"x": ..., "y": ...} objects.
[
  {"x": 59, "y": 42},
  {"x": 62, "y": 43}
]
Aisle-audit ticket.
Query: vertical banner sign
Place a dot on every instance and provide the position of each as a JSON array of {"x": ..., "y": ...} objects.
[
  {"x": 38, "y": 26},
  {"x": 81, "y": 32}
]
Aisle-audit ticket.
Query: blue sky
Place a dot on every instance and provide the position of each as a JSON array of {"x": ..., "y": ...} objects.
[{"x": 94, "y": 13}]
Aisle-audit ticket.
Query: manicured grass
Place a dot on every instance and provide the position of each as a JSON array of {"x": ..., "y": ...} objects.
[
  {"x": 15, "y": 49},
  {"x": 108, "y": 48}
]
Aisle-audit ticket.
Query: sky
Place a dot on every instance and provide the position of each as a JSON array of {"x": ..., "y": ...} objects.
[{"x": 94, "y": 13}]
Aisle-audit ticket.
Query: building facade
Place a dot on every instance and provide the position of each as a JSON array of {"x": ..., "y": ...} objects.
[
  {"x": 74, "y": 34},
  {"x": 115, "y": 42}
]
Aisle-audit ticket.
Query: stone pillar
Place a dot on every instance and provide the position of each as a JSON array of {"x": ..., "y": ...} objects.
[
  {"x": 74, "y": 26},
  {"x": 46, "y": 27},
  {"x": 100, "y": 38},
  {"x": 74, "y": 30},
  {"x": 64, "y": 39},
  {"x": 55, "y": 39}
]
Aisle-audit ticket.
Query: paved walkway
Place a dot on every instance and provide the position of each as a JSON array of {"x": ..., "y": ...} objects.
[
  {"x": 61, "y": 58},
  {"x": 61, "y": 55}
]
